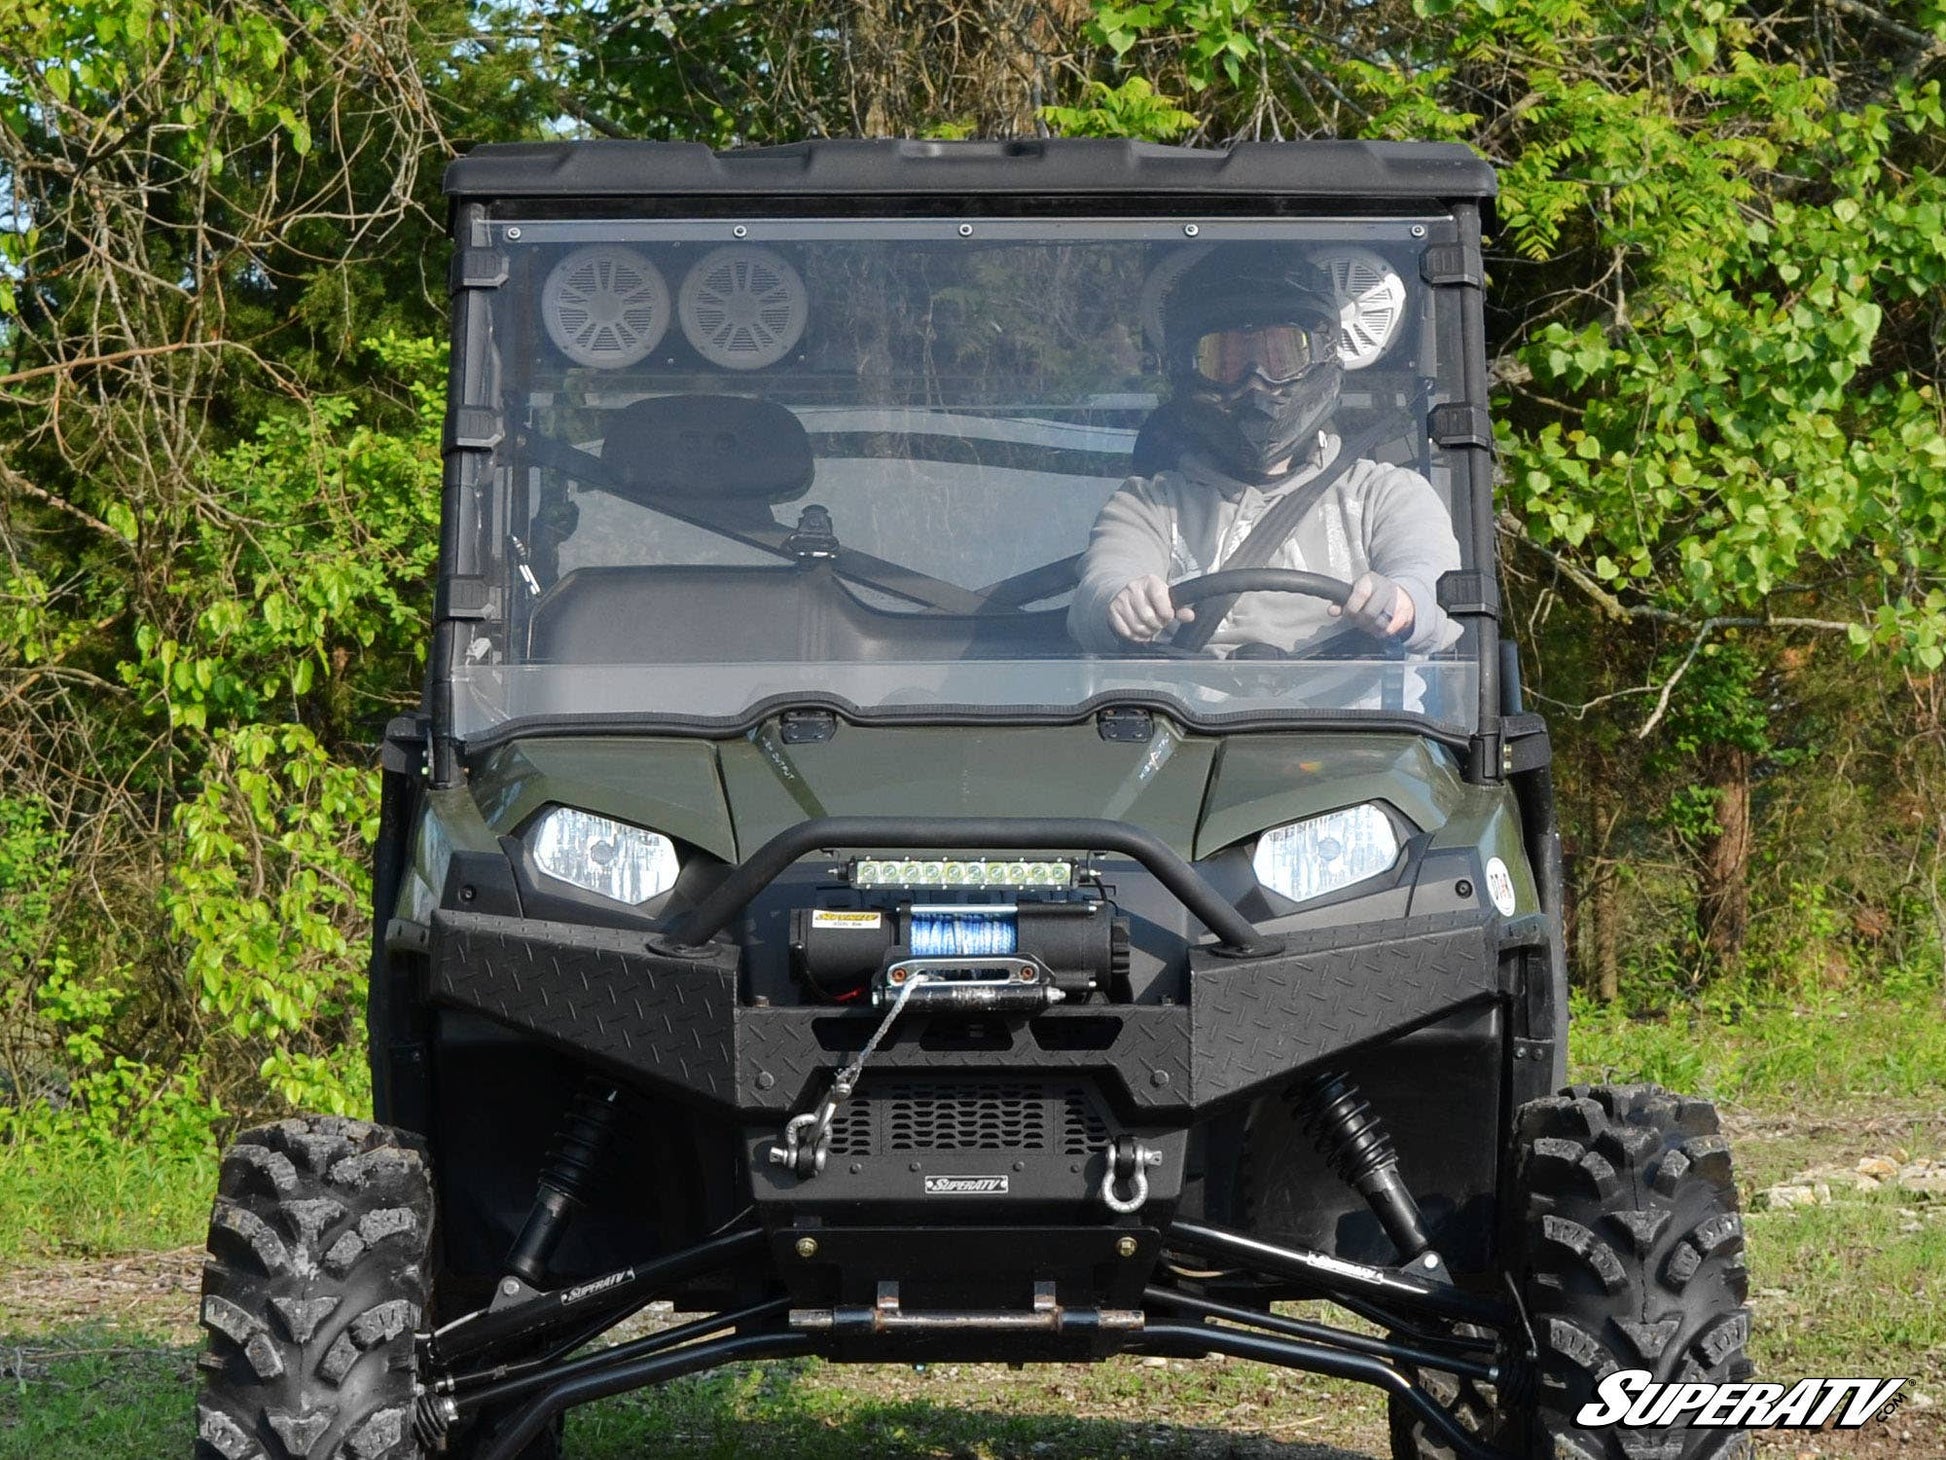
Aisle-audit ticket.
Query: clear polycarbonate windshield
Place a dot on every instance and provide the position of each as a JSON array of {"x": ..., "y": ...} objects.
[{"x": 972, "y": 466}]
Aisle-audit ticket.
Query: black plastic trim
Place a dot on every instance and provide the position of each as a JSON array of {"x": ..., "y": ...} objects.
[
  {"x": 1089, "y": 167},
  {"x": 717, "y": 727}
]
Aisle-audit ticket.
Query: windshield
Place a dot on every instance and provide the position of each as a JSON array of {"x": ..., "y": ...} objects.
[{"x": 973, "y": 466}]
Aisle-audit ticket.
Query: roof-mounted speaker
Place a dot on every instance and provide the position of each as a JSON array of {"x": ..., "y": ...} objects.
[{"x": 605, "y": 306}]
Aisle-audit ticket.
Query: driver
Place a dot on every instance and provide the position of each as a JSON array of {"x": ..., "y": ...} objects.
[{"x": 1250, "y": 337}]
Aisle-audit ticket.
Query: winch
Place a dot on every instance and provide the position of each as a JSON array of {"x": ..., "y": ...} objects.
[{"x": 975, "y": 957}]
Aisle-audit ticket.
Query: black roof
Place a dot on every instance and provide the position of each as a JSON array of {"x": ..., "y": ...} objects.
[{"x": 1395, "y": 171}]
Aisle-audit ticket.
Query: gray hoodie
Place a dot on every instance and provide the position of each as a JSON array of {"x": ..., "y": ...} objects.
[{"x": 1188, "y": 521}]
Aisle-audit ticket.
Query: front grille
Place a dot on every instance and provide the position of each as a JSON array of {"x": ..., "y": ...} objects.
[
  {"x": 945, "y": 1117},
  {"x": 968, "y": 1115}
]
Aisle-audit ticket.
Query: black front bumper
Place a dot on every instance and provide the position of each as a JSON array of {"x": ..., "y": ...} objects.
[{"x": 678, "y": 1025}]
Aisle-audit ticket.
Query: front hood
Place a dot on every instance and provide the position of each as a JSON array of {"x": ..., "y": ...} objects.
[{"x": 1198, "y": 793}]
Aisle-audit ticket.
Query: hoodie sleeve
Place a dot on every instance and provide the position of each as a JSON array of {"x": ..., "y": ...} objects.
[
  {"x": 1132, "y": 537},
  {"x": 1409, "y": 538}
]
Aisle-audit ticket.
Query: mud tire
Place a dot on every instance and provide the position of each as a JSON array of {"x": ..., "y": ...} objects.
[
  {"x": 314, "y": 1287},
  {"x": 1629, "y": 1255}
]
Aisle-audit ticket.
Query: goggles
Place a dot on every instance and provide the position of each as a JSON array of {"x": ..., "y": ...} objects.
[{"x": 1277, "y": 352}]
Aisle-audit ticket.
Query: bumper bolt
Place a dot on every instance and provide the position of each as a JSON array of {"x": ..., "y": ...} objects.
[
  {"x": 807, "y": 1247},
  {"x": 1125, "y": 1246}
]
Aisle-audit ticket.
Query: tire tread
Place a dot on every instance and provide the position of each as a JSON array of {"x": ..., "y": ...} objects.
[{"x": 317, "y": 1277}]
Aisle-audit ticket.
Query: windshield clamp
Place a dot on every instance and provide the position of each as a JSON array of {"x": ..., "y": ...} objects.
[
  {"x": 1468, "y": 593},
  {"x": 477, "y": 268},
  {"x": 1450, "y": 263},
  {"x": 1125, "y": 722},
  {"x": 806, "y": 727},
  {"x": 473, "y": 428},
  {"x": 1459, "y": 424}
]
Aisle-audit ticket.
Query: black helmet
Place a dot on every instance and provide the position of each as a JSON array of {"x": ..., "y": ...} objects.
[{"x": 1250, "y": 340}]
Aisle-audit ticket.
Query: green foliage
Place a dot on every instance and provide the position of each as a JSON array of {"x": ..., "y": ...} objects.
[
  {"x": 304, "y": 573},
  {"x": 268, "y": 892},
  {"x": 61, "y": 1194},
  {"x": 295, "y": 613},
  {"x": 1215, "y": 38},
  {"x": 1131, "y": 108}
]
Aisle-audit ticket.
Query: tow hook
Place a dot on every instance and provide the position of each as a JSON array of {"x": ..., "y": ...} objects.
[{"x": 1128, "y": 1166}]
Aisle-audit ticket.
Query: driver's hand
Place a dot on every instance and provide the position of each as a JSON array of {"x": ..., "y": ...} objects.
[
  {"x": 1144, "y": 609},
  {"x": 1378, "y": 606}
]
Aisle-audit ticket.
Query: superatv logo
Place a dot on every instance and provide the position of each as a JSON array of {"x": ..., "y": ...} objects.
[
  {"x": 1633, "y": 1399},
  {"x": 966, "y": 1186},
  {"x": 599, "y": 1285}
]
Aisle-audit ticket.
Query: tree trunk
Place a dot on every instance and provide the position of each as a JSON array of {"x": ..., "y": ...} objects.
[
  {"x": 1723, "y": 861},
  {"x": 1604, "y": 908},
  {"x": 1596, "y": 919}
]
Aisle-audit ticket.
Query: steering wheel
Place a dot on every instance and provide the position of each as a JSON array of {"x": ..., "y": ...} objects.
[{"x": 1222, "y": 588}]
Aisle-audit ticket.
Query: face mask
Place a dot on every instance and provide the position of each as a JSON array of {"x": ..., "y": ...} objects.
[{"x": 1257, "y": 427}]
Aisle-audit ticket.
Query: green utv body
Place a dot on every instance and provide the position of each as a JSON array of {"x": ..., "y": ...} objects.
[{"x": 797, "y": 902}]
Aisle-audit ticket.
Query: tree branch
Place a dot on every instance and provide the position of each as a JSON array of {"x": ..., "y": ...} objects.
[{"x": 11, "y": 478}]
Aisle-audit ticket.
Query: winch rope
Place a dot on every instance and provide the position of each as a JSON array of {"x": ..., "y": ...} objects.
[
  {"x": 805, "y": 1136},
  {"x": 964, "y": 935}
]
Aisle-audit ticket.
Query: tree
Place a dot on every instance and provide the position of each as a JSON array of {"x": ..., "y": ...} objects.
[{"x": 215, "y": 501}]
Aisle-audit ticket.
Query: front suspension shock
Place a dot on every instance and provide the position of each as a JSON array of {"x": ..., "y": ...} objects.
[
  {"x": 571, "y": 1165},
  {"x": 1353, "y": 1141}
]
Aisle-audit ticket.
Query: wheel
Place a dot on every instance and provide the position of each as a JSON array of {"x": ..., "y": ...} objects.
[
  {"x": 1629, "y": 1255},
  {"x": 1475, "y": 1405},
  {"x": 314, "y": 1286}
]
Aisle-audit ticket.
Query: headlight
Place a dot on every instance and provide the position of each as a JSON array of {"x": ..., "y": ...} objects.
[
  {"x": 610, "y": 858},
  {"x": 1310, "y": 858}
]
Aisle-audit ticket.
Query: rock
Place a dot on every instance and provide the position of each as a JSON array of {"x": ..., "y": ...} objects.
[
  {"x": 1787, "y": 1195},
  {"x": 1923, "y": 1178},
  {"x": 1878, "y": 1167}
]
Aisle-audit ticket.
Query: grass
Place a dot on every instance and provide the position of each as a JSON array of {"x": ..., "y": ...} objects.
[
  {"x": 70, "y": 1196},
  {"x": 1755, "y": 1053},
  {"x": 1855, "y": 1286},
  {"x": 106, "y": 1395}
]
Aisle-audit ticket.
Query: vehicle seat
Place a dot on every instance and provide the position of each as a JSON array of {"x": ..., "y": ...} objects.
[{"x": 732, "y": 459}]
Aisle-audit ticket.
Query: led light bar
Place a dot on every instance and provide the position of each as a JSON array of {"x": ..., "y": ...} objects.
[{"x": 935, "y": 872}]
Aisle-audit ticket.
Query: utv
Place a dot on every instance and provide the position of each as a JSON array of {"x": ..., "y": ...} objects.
[{"x": 802, "y": 899}]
